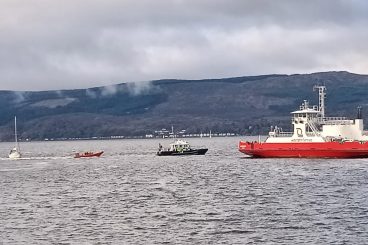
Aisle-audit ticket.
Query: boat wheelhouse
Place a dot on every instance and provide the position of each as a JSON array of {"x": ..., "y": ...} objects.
[{"x": 180, "y": 147}]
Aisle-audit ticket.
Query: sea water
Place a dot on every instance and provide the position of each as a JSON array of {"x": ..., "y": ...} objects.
[{"x": 131, "y": 196}]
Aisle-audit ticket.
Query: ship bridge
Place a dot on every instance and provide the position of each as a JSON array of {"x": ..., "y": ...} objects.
[
  {"x": 306, "y": 121},
  {"x": 305, "y": 125}
]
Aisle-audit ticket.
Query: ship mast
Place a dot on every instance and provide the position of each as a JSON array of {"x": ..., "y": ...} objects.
[{"x": 321, "y": 100}]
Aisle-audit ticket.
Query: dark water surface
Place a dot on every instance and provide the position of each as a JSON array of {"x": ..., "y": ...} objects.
[{"x": 131, "y": 196}]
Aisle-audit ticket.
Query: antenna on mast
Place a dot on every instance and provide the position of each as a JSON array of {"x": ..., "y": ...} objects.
[{"x": 321, "y": 99}]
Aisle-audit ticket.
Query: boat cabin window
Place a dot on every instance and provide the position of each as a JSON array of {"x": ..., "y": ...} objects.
[{"x": 305, "y": 115}]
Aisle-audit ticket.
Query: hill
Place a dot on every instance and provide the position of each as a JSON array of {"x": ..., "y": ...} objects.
[{"x": 244, "y": 105}]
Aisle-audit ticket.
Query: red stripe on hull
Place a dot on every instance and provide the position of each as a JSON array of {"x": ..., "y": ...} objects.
[{"x": 305, "y": 150}]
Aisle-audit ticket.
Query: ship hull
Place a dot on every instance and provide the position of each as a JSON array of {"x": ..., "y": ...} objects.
[
  {"x": 182, "y": 153},
  {"x": 305, "y": 150}
]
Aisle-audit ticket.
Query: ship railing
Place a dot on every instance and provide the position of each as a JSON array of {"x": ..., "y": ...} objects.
[
  {"x": 335, "y": 118},
  {"x": 311, "y": 134},
  {"x": 335, "y": 121},
  {"x": 283, "y": 134}
]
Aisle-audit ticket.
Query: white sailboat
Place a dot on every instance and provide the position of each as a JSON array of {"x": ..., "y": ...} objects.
[{"x": 15, "y": 152}]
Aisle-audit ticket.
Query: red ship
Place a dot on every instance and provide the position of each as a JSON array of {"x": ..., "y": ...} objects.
[{"x": 314, "y": 136}]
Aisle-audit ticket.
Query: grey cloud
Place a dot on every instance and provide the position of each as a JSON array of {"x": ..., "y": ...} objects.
[
  {"x": 91, "y": 93},
  {"x": 78, "y": 44},
  {"x": 137, "y": 88},
  {"x": 133, "y": 88},
  {"x": 19, "y": 97},
  {"x": 110, "y": 90}
]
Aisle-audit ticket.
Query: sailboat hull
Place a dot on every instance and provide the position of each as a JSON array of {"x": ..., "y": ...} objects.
[{"x": 15, "y": 155}]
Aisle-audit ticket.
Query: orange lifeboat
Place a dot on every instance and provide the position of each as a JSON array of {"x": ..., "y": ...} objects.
[{"x": 88, "y": 154}]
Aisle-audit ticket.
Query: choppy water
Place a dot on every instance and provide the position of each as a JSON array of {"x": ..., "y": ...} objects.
[{"x": 131, "y": 196}]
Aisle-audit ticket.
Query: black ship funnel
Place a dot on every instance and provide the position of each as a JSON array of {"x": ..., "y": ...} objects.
[{"x": 359, "y": 112}]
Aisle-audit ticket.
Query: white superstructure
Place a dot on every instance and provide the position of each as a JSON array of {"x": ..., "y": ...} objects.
[
  {"x": 179, "y": 145},
  {"x": 311, "y": 125}
]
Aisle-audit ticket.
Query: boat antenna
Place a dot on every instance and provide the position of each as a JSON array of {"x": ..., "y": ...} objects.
[{"x": 321, "y": 98}]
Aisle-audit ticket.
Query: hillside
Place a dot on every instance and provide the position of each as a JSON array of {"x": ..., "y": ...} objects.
[{"x": 244, "y": 105}]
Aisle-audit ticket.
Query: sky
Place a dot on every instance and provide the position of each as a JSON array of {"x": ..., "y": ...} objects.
[{"x": 68, "y": 44}]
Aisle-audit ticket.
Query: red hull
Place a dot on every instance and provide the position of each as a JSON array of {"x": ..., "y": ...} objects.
[
  {"x": 305, "y": 150},
  {"x": 88, "y": 154}
]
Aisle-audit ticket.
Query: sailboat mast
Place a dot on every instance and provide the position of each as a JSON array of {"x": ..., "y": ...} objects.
[
  {"x": 15, "y": 133},
  {"x": 15, "y": 130}
]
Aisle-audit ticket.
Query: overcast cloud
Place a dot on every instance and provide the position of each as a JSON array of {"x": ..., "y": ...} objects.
[{"x": 65, "y": 44}]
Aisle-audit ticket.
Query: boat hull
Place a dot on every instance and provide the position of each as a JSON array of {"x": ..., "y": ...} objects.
[
  {"x": 15, "y": 155},
  {"x": 92, "y": 154},
  {"x": 181, "y": 153},
  {"x": 353, "y": 149}
]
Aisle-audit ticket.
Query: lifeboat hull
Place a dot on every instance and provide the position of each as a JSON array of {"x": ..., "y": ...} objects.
[
  {"x": 89, "y": 154},
  {"x": 353, "y": 149}
]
